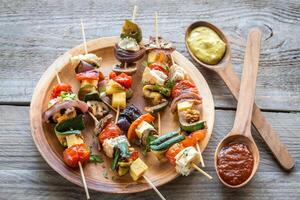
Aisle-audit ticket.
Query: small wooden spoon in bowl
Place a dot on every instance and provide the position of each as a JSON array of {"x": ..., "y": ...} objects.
[
  {"x": 225, "y": 71},
  {"x": 241, "y": 131}
]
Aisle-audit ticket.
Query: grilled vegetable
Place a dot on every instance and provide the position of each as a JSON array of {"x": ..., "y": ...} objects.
[
  {"x": 113, "y": 87},
  {"x": 164, "y": 137},
  {"x": 88, "y": 93},
  {"x": 98, "y": 108},
  {"x": 190, "y": 126},
  {"x": 129, "y": 114},
  {"x": 125, "y": 56},
  {"x": 58, "y": 89},
  {"x": 76, "y": 153},
  {"x": 157, "y": 108},
  {"x": 155, "y": 97},
  {"x": 131, "y": 29},
  {"x": 89, "y": 58},
  {"x": 153, "y": 77},
  {"x": 70, "y": 126},
  {"x": 119, "y": 100},
  {"x": 166, "y": 144},
  {"x": 110, "y": 131},
  {"x": 131, "y": 134}
]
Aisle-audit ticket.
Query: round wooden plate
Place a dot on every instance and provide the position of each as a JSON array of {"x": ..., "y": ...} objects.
[{"x": 99, "y": 176}]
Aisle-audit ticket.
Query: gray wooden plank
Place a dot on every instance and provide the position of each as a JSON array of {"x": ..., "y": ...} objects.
[
  {"x": 25, "y": 175},
  {"x": 34, "y": 33}
]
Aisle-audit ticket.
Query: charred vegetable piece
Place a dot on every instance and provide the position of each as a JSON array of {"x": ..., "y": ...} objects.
[
  {"x": 132, "y": 112},
  {"x": 115, "y": 160},
  {"x": 166, "y": 144},
  {"x": 123, "y": 123},
  {"x": 189, "y": 122},
  {"x": 130, "y": 69},
  {"x": 155, "y": 97},
  {"x": 131, "y": 29},
  {"x": 102, "y": 123},
  {"x": 59, "y": 107},
  {"x": 125, "y": 56},
  {"x": 71, "y": 126},
  {"x": 157, "y": 108},
  {"x": 98, "y": 109},
  {"x": 88, "y": 93},
  {"x": 89, "y": 58},
  {"x": 164, "y": 137}
]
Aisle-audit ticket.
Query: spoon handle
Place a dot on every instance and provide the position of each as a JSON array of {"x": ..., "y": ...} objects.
[
  {"x": 242, "y": 122},
  {"x": 260, "y": 122}
]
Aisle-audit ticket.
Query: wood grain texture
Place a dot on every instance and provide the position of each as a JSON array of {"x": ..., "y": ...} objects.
[
  {"x": 34, "y": 33},
  {"x": 25, "y": 175},
  {"x": 241, "y": 131}
]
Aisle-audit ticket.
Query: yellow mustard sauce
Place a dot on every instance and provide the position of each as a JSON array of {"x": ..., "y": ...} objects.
[{"x": 206, "y": 45}]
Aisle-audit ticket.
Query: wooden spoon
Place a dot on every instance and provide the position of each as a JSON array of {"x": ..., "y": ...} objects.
[
  {"x": 241, "y": 131},
  {"x": 225, "y": 71}
]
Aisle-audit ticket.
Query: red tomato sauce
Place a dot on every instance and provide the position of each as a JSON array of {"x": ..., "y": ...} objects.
[{"x": 235, "y": 163}]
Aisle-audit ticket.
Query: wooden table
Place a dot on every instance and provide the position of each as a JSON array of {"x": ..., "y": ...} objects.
[{"x": 34, "y": 33}]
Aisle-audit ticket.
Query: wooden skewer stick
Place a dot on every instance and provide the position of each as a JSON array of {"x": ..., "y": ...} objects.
[
  {"x": 157, "y": 45},
  {"x": 156, "y": 31},
  {"x": 83, "y": 181},
  {"x": 134, "y": 13},
  {"x": 201, "y": 171},
  {"x": 197, "y": 145},
  {"x": 159, "y": 123},
  {"x": 117, "y": 114},
  {"x": 93, "y": 116},
  {"x": 79, "y": 163},
  {"x": 199, "y": 151},
  {"x": 57, "y": 77},
  {"x": 153, "y": 187},
  {"x": 86, "y": 52},
  {"x": 83, "y": 37}
]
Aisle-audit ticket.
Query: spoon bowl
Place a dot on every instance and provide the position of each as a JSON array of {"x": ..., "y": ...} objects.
[
  {"x": 241, "y": 131},
  {"x": 237, "y": 138},
  {"x": 226, "y": 57}
]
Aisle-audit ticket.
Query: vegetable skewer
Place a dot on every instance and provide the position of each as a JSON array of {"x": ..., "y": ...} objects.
[
  {"x": 197, "y": 144},
  {"x": 129, "y": 49},
  {"x": 125, "y": 64},
  {"x": 112, "y": 142},
  {"x": 77, "y": 151}
]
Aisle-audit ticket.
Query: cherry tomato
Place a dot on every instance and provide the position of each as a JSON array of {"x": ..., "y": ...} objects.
[
  {"x": 90, "y": 75},
  {"x": 110, "y": 131},
  {"x": 159, "y": 67},
  {"x": 181, "y": 86},
  {"x": 173, "y": 151},
  {"x": 76, "y": 153},
  {"x": 112, "y": 75},
  {"x": 131, "y": 131},
  {"x": 134, "y": 155},
  {"x": 62, "y": 87},
  {"x": 124, "y": 80}
]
